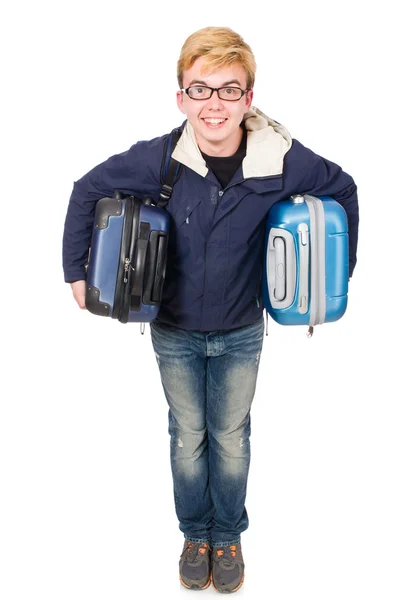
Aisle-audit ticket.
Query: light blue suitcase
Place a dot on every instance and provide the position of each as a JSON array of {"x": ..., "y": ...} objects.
[{"x": 306, "y": 266}]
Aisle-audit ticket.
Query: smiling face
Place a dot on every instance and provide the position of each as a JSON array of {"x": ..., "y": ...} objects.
[{"x": 215, "y": 122}]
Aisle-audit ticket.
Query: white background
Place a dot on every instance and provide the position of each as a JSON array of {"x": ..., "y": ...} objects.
[{"x": 86, "y": 505}]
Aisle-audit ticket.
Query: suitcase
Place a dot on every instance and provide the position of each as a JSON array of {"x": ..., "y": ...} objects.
[
  {"x": 127, "y": 261},
  {"x": 306, "y": 266}
]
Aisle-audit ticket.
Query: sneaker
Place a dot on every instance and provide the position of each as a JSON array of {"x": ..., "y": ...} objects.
[
  {"x": 227, "y": 568},
  {"x": 194, "y": 565}
]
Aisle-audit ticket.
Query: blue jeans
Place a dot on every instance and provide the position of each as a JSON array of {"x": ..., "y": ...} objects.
[{"x": 209, "y": 381}]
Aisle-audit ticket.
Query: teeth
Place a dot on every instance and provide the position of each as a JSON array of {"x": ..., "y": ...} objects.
[{"x": 214, "y": 121}]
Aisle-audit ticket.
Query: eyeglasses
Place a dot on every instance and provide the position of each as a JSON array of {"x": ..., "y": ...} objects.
[{"x": 203, "y": 92}]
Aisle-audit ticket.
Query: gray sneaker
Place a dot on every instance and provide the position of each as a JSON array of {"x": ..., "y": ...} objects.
[
  {"x": 194, "y": 565},
  {"x": 227, "y": 568}
]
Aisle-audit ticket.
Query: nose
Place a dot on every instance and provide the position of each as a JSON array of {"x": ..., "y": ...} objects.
[{"x": 214, "y": 102}]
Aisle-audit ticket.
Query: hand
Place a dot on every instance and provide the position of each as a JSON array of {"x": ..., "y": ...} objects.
[{"x": 78, "y": 289}]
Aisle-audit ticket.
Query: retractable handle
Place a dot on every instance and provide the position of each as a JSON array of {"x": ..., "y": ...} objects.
[
  {"x": 303, "y": 290},
  {"x": 303, "y": 241},
  {"x": 139, "y": 268}
]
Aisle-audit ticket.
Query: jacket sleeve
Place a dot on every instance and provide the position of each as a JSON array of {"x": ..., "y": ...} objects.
[
  {"x": 131, "y": 172},
  {"x": 321, "y": 177}
]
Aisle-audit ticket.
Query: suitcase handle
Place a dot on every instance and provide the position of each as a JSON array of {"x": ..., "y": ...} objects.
[
  {"x": 281, "y": 268},
  {"x": 140, "y": 263},
  {"x": 280, "y": 283},
  {"x": 160, "y": 269}
]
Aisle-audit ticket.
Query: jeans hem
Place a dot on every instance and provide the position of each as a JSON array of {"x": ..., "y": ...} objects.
[
  {"x": 228, "y": 543},
  {"x": 196, "y": 539}
]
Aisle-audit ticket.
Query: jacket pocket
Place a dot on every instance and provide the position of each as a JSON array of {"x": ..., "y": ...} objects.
[{"x": 182, "y": 215}]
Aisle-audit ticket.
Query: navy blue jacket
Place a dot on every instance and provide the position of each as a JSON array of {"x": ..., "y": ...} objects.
[{"x": 215, "y": 255}]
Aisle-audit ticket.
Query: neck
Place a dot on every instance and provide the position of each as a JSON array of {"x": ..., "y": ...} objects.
[{"x": 223, "y": 147}]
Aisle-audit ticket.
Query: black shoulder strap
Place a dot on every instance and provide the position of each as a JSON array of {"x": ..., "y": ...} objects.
[{"x": 170, "y": 168}]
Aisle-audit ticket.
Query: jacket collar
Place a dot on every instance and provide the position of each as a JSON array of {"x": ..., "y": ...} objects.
[{"x": 267, "y": 144}]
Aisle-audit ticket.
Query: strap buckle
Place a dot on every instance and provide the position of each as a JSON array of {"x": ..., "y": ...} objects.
[{"x": 166, "y": 191}]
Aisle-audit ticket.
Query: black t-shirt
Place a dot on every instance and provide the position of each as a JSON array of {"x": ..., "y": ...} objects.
[{"x": 224, "y": 167}]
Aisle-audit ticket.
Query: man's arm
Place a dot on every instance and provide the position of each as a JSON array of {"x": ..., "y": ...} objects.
[{"x": 321, "y": 177}]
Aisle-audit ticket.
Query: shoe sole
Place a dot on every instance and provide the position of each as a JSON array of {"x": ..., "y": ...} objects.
[
  {"x": 195, "y": 586},
  {"x": 229, "y": 591}
]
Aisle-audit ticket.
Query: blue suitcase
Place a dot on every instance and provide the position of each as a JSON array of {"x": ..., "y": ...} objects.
[
  {"x": 127, "y": 261},
  {"x": 306, "y": 266}
]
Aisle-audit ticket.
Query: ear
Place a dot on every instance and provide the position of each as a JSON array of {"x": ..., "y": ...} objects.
[
  {"x": 179, "y": 101},
  {"x": 248, "y": 98}
]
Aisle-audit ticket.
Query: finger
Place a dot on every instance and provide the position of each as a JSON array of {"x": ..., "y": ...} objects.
[{"x": 80, "y": 299}]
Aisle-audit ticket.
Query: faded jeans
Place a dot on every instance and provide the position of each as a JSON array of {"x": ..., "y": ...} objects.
[{"x": 209, "y": 381}]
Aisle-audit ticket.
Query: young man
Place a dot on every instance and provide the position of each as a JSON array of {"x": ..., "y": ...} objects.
[{"x": 208, "y": 335}]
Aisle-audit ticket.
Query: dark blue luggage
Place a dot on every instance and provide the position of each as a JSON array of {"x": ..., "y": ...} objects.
[
  {"x": 306, "y": 267},
  {"x": 128, "y": 253},
  {"x": 127, "y": 259}
]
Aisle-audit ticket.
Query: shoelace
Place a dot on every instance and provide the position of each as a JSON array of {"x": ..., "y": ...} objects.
[
  {"x": 227, "y": 554},
  {"x": 193, "y": 548}
]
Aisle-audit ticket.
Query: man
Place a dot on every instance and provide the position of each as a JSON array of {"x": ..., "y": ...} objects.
[{"x": 209, "y": 331}]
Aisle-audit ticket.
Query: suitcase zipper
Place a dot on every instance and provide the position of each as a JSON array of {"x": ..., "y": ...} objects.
[
  {"x": 132, "y": 233},
  {"x": 119, "y": 310},
  {"x": 127, "y": 263}
]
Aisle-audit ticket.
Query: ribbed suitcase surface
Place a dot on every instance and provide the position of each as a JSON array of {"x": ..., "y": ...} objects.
[{"x": 306, "y": 266}]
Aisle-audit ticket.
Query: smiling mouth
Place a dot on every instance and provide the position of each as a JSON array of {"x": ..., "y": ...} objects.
[{"x": 214, "y": 122}]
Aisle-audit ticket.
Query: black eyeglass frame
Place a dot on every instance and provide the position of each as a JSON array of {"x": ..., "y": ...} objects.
[{"x": 224, "y": 87}]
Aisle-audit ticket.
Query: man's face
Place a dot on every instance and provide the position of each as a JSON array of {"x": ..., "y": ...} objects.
[{"x": 222, "y": 136}]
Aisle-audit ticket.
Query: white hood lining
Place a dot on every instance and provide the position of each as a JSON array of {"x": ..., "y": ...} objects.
[{"x": 267, "y": 144}]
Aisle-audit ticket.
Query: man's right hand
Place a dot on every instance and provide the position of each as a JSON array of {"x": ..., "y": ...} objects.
[{"x": 78, "y": 289}]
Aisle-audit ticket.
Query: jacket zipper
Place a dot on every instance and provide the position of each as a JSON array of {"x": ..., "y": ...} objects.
[{"x": 220, "y": 194}]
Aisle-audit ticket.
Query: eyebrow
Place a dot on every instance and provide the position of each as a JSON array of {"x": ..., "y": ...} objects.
[{"x": 201, "y": 82}]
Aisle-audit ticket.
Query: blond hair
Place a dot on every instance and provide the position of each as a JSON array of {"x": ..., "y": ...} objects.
[{"x": 221, "y": 47}]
